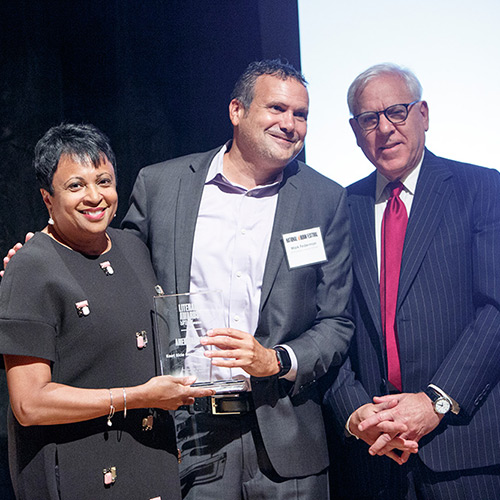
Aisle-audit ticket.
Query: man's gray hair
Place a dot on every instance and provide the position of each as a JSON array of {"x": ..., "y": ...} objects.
[{"x": 360, "y": 82}]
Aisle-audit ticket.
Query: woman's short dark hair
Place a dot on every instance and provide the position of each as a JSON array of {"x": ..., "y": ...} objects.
[
  {"x": 244, "y": 88},
  {"x": 84, "y": 141}
]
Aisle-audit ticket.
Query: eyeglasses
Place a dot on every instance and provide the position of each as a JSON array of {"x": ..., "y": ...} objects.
[{"x": 397, "y": 113}]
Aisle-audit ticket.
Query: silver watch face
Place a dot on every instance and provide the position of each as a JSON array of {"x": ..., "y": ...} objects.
[{"x": 442, "y": 406}]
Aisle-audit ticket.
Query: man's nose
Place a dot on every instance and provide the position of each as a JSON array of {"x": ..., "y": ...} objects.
[
  {"x": 384, "y": 125},
  {"x": 287, "y": 122}
]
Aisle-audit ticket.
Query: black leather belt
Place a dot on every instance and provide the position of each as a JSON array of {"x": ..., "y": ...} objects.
[{"x": 222, "y": 404}]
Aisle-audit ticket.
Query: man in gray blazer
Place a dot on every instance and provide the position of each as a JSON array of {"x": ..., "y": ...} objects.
[
  {"x": 431, "y": 362},
  {"x": 273, "y": 234}
]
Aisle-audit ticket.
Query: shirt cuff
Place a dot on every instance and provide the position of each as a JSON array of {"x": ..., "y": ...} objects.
[{"x": 347, "y": 431}]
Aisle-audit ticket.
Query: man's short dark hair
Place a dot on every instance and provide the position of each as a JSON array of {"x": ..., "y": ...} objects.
[
  {"x": 84, "y": 142},
  {"x": 244, "y": 88}
]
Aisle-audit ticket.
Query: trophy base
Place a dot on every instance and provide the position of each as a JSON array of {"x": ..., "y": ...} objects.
[{"x": 224, "y": 386}]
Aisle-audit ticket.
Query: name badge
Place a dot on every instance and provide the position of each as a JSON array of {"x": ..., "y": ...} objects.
[{"x": 304, "y": 248}]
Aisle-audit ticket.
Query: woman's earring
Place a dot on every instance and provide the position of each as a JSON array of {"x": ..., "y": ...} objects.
[{"x": 51, "y": 221}]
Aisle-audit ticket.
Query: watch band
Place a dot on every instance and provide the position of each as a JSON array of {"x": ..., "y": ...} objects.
[
  {"x": 284, "y": 361},
  {"x": 455, "y": 407},
  {"x": 442, "y": 404}
]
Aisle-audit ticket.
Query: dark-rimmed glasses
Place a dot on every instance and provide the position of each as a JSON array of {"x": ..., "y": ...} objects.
[{"x": 397, "y": 113}]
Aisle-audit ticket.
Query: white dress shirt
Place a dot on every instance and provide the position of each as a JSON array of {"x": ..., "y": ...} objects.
[
  {"x": 230, "y": 247},
  {"x": 382, "y": 196}
]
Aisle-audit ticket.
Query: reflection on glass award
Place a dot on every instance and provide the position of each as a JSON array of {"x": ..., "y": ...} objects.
[{"x": 180, "y": 321}]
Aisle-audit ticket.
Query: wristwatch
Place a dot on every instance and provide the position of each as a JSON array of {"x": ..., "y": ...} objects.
[
  {"x": 284, "y": 361},
  {"x": 442, "y": 405}
]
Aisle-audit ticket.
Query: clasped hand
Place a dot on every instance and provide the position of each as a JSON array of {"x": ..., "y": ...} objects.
[{"x": 394, "y": 422}]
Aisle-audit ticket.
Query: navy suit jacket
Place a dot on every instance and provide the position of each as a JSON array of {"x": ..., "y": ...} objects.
[
  {"x": 448, "y": 314},
  {"x": 303, "y": 307}
]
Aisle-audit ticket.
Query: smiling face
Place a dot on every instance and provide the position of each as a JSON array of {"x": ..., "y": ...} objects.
[
  {"x": 394, "y": 149},
  {"x": 83, "y": 203},
  {"x": 272, "y": 130}
]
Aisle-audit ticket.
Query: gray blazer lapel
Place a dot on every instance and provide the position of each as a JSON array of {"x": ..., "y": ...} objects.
[
  {"x": 431, "y": 195},
  {"x": 361, "y": 199},
  {"x": 186, "y": 214},
  {"x": 288, "y": 201}
]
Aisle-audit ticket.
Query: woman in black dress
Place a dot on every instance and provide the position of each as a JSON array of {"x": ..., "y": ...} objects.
[{"x": 88, "y": 417}]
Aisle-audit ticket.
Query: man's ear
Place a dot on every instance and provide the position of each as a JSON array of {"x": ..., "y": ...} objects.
[
  {"x": 424, "y": 111},
  {"x": 356, "y": 129},
  {"x": 236, "y": 112}
]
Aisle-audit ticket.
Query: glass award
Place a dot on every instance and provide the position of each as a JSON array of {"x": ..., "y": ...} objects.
[{"x": 180, "y": 321}]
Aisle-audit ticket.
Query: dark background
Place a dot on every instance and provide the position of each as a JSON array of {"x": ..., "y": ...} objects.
[{"x": 154, "y": 75}]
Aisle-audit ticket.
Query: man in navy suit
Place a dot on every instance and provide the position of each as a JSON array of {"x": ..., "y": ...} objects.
[{"x": 433, "y": 366}]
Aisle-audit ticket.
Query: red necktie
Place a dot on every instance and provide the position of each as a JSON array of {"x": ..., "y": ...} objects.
[{"x": 394, "y": 225}]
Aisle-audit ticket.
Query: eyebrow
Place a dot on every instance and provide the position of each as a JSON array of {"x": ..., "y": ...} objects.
[
  {"x": 304, "y": 110},
  {"x": 103, "y": 173},
  {"x": 74, "y": 178}
]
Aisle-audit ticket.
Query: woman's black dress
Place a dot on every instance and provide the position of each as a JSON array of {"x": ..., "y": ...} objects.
[{"x": 42, "y": 315}]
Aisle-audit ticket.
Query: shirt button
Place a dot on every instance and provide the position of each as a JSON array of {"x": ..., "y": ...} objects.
[
  {"x": 236, "y": 318},
  {"x": 238, "y": 274},
  {"x": 243, "y": 231}
]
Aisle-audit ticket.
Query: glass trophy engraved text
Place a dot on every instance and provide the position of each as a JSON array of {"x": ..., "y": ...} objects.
[{"x": 180, "y": 321}]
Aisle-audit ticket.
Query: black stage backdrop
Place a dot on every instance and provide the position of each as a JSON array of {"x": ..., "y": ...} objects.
[{"x": 154, "y": 75}]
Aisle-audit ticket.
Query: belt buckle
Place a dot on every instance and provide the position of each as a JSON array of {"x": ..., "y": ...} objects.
[{"x": 213, "y": 404}]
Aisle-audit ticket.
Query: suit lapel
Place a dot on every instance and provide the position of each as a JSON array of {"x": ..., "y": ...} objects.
[
  {"x": 431, "y": 195},
  {"x": 288, "y": 202},
  {"x": 362, "y": 209},
  {"x": 186, "y": 214}
]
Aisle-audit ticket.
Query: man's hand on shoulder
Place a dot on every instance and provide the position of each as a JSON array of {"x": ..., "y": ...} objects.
[{"x": 13, "y": 252}]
